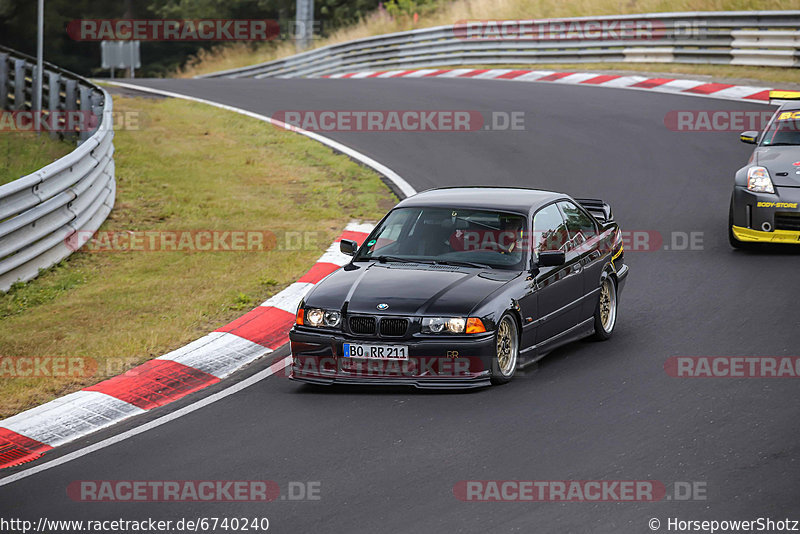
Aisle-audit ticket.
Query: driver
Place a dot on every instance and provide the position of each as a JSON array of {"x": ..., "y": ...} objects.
[
  {"x": 505, "y": 239},
  {"x": 510, "y": 234}
]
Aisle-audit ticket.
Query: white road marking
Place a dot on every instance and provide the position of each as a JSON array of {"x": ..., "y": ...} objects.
[
  {"x": 360, "y": 227},
  {"x": 218, "y": 353},
  {"x": 288, "y": 299},
  {"x": 69, "y": 417},
  {"x": 674, "y": 87},
  {"x": 235, "y": 388}
]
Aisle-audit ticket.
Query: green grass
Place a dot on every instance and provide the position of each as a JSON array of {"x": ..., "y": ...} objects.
[
  {"x": 190, "y": 167},
  {"x": 21, "y": 297},
  {"x": 22, "y": 153}
]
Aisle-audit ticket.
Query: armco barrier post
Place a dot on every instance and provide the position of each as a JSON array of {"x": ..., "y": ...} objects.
[
  {"x": 86, "y": 108},
  {"x": 19, "y": 84},
  {"x": 71, "y": 98},
  {"x": 53, "y": 95},
  {"x": 3, "y": 81}
]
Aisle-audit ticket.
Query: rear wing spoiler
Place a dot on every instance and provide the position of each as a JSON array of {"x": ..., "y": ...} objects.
[
  {"x": 599, "y": 209},
  {"x": 778, "y": 97}
]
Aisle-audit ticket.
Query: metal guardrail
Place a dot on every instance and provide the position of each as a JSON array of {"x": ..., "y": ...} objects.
[
  {"x": 764, "y": 38},
  {"x": 41, "y": 213}
]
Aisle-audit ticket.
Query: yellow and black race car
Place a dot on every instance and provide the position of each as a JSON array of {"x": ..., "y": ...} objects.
[{"x": 765, "y": 205}]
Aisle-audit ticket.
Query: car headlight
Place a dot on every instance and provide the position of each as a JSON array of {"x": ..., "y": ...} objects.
[
  {"x": 758, "y": 180},
  {"x": 452, "y": 325},
  {"x": 317, "y": 317}
]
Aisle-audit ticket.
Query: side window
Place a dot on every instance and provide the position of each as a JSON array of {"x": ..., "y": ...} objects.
[
  {"x": 580, "y": 225},
  {"x": 549, "y": 230}
]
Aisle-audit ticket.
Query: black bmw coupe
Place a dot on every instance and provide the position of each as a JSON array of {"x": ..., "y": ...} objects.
[{"x": 460, "y": 287}]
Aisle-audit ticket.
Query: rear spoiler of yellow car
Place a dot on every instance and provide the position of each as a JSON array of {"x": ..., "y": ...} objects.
[{"x": 776, "y": 97}]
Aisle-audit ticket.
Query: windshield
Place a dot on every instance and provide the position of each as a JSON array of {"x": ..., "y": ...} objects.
[
  {"x": 469, "y": 237},
  {"x": 784, "y": 130}
]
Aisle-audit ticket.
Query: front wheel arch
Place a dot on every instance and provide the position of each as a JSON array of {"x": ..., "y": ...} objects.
[{"x": 515, "y": 313}]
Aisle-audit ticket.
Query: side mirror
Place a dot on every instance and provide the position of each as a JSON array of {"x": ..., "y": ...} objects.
[
  {"x": 348, "y": 246},
  {"x": 552, "y": 258},
  {"x": 750, "y": 137}
]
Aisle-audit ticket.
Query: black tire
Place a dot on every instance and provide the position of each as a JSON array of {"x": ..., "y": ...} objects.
[
  {"x": 735, "y": 243},
  {"x": 506, "y": 337},
  {"x": 605, "y": 314}
]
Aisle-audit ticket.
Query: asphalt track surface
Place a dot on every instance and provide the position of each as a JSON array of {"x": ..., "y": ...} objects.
[{"x": 387, "y": 459}]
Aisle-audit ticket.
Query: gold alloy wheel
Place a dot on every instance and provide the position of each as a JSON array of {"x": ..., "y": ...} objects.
[
  {"x": 608, "y": 305},
  {"x": 507, "y": 347}
]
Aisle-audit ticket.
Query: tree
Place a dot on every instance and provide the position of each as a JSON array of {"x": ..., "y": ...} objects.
[{"x": 18, "y": 26}]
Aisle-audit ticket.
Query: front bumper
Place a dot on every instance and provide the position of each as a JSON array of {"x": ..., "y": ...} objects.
[
  {"x": 766, "y": 218},
  {"x": 747, "y": 235},
  {"x": 447, "y": 363}
]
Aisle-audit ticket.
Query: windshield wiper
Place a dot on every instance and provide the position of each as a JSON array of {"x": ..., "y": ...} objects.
[
  {"x": 464, "y": 264},
  {"x": 781, "y": 144},
  {"x": 384, "y": 259},
  {"x": 398, "y": 259}
]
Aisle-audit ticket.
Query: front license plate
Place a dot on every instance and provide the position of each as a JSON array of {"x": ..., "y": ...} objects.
[{"x": 375, "y": 352}]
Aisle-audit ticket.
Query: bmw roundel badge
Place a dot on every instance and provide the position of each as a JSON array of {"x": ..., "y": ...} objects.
[{"x": 382, "y": 306}]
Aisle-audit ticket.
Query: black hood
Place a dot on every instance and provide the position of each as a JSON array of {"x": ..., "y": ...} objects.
[
  {"x": 779, "y": 161},
  {"x": 408, "y": 289}
]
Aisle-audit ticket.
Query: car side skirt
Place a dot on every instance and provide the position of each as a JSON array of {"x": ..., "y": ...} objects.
[{"x": 533, "y": 354}]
